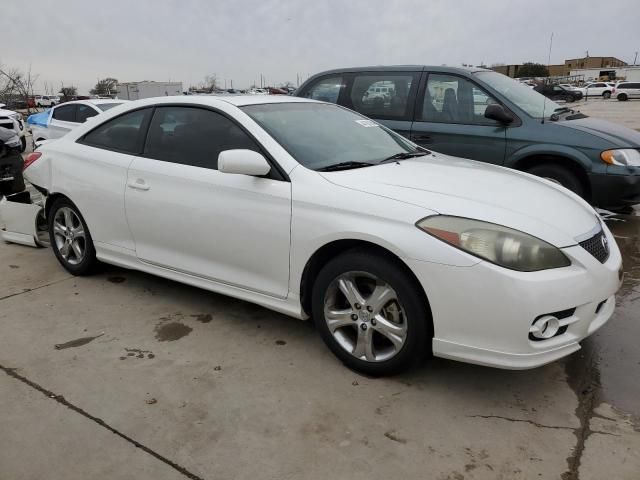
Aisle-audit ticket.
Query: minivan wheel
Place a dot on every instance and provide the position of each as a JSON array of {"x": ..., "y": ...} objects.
[
  {"x": 606, "y": 95},
  {"x": 70, "y": 238},
  {"x": 560, "y": 175},
  {"x": 370, "y": 313},
  {"x": 623, "y": 97}
]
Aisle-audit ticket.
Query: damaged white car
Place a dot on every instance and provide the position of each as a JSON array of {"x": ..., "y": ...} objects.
[{"x": 313, "y": 210}]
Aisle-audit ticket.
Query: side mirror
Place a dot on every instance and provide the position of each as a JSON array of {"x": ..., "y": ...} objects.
[
  {"x": 498, "y": 113},
  {"x": 243, "y": 162}
]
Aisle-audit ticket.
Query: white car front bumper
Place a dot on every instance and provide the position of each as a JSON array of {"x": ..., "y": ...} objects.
[{"x": 482, "y": 314}]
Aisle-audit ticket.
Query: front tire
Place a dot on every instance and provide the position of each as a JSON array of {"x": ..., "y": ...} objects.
[
  {"x": 623, "y": 97},
  {"x": 561, "y": 175},
  {"x": 371, "y": 313},
  {"x": 70, "y": 238}
]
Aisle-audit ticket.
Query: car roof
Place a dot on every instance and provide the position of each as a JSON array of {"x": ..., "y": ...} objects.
[
  {"x": 406, "y": 68},
  {"x": 214, "y": 100},
  {"x": 93, "y": 101}
]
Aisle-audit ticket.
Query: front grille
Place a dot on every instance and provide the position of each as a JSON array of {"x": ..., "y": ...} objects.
[{"x": 598, "y": 246}]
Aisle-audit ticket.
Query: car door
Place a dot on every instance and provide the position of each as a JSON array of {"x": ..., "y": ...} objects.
[
  {"x": 388, "y": 97},
  {"x": 63, "y": 120},
  {"x": 450, "y": 119},
  {"x": 187, "y": 216},
  {"x": 98, "y": 174}
]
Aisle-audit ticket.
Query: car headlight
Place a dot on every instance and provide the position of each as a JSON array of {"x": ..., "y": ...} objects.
[
  {"x": 503, "y": 246},
  {"x": 624, "y": 157}
]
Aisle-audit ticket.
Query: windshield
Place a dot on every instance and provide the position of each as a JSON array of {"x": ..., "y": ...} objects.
[
  {"x": 320, "y": 135},
  {"x": 107, "y": 106},
  {"x": 532, "y": 102}
]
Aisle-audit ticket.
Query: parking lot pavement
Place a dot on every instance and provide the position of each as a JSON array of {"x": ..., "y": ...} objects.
[
  {"x": 124, "y": 375},
  {"x": 625, "y": 113}
]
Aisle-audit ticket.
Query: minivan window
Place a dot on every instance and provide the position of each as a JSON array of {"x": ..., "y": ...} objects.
[
  {"x": 123, "y": 134},
  {"x": 453, "y": 99},
  {"x": 193, "y": 136},
  {"x": 527, "y": 99},
  {"x": 381, "y": 96},
  {"x": 326, "y": 89},
  {"x": 319, "y": 135}
]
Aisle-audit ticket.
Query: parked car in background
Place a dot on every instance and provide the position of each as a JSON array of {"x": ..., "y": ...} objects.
[
  {"x": 46, "y": 100},
  {"x": 627, "y": 90},
  {"x": 15, "y": 122},
  {"x": 441, "y": 108},
  {"x": 59, "y": 120},
  {"x": 567, "y": 86},
  {"x": 558, "y": 93},
  {"x": 369, "y": 234},
  {"x": 597, "y": 89}
]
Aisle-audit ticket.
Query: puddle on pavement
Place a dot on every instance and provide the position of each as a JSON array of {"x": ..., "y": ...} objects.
[
  {"x": 78, "y": 342},
  {"x": 203, "y": 317},
  {"x": 169, "y": 332},
  {"x": 116, "y": 279},
  {"x": 609, "y": 361}
]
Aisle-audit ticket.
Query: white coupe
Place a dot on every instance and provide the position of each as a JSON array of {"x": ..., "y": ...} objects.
[{"x": 312, "y": 210}]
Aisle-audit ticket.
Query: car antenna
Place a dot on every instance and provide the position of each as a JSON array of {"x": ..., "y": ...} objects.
[{"x": 544, "y": 102}]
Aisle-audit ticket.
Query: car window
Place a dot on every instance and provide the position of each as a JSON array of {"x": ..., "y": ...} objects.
[
  {"x": 452, "y": 99},
  {"x": 599, "y": 85},
  {"x": 123, "y": 134},
  {"x": 193, "y": 136},
  {"x": 381, "y": 96},
  {"x": 326, "y": 89},
  {"x": 84, "y": 112},
  {"x": 65, "y": 113}
]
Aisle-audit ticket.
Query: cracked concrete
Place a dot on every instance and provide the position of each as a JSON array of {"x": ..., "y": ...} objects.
[{"x": 245, "y": 393}]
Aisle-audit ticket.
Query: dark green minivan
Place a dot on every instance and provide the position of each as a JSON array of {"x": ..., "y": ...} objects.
[{"x": 486, "y": 116}]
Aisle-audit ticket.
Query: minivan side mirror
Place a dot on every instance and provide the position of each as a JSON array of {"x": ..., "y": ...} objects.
[
  {"x": 243, "y": 162},
  {"x": 498, "y": 113}
]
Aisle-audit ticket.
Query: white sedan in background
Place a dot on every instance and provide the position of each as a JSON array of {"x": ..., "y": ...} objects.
[
  {"x": 59, "y": 120},
  {"x": 310, "y": 209}
]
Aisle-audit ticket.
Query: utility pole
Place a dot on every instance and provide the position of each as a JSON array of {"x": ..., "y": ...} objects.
[{"x": 635, "y": 58}]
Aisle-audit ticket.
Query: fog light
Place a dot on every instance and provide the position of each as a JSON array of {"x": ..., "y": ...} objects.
[{"x": 544, "y": 327}]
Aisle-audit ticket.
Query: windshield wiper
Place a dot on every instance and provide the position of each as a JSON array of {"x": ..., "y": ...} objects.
[
  {"x": 344, "y": 166},
  {"x": 403, "y": 156}
]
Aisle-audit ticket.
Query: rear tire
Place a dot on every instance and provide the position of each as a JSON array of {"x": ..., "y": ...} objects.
[
  {"x": 70, "y": 238},
  {"x": 623, "y": 97},
  {"x": 606, "y": 95},
  {"x": 561, "y": 175},
  {"x": 399, "y": 323}
]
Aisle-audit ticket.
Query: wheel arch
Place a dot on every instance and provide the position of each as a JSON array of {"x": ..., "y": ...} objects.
[
  {"x": 575, "y": 165},
  {"x": 336, "y": 247}
]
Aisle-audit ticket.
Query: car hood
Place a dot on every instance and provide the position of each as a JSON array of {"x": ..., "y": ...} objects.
[
  {"x": 618, "y": 135},
  {"x": 459, "y": 187}
]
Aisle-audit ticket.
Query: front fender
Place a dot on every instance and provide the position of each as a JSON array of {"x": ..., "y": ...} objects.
[{"x": 549, "y": 150}]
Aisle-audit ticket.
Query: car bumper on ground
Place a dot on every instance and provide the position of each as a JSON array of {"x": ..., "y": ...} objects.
[
  {"x": 21, "y": 221},
  {"x": 489, "y": 320},
  {"x": 615, "y": 190}
]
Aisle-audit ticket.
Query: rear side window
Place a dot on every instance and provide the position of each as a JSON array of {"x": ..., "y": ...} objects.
[
  {"x": 84, "y": 112},
  {"x": 65, "y": 113},
  {"x": 381, "y": 96},
  {"x": 193, "y": 136},
  {"x": 122, "y": 134},
  {"x": 325, "y": 89},
  {"x": 629, "y": 85}
]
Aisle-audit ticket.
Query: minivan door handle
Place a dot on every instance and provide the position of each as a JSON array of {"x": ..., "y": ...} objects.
[
  {"x": 138, "y": 184},
  {"x": 422, "y": 137}
]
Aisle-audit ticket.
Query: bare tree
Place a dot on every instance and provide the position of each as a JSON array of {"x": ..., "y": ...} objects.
[
  {"x": 105, "y": 87},
  {"x": 68, "y": 93},
  {"x": 211, "y": 82},
  {"x": 16, "y": 85}
]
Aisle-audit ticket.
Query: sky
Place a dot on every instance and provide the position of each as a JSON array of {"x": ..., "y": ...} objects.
[{"x": 75, "y": 42}]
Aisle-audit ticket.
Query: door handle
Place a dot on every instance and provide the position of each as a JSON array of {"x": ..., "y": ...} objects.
[
  {"x": 422, "y": 137},
  {"x": 138, "y": 184}
]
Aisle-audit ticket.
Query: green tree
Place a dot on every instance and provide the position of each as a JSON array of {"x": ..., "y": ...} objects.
[
  {"x": 530, "y": 69},
  {"x": 105, "y": 87}
]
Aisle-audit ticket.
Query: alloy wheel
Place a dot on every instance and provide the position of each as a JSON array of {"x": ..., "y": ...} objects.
[
  {"x": 69, "y": 235},
  {"x": 365, "y": 317}
]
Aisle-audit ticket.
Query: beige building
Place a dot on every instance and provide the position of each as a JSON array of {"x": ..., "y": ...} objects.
[{"x": 564, "y": 69}]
